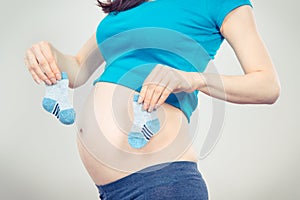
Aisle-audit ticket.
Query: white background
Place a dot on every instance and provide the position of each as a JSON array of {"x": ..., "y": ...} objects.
[{"x": 257, "y": 157}]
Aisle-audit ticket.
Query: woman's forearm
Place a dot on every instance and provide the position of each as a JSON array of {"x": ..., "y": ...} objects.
[
  {"x": 68, "y": 64},
  {"x": 80, "y": 67},
  {"x": 260, "y": 87}
]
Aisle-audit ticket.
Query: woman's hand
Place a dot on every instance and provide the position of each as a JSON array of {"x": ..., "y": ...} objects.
[
  {"x": 41, "y": 63},
  {"x": 161, "y": 82}
]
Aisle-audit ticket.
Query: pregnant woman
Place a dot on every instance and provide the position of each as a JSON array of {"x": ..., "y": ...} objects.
[{"x": 155, "y": 49}]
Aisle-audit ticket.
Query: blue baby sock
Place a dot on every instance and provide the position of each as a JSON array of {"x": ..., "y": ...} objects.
[
  {"x": 50, "y": 102},
  {"x": 56, "y": 101},
  {"x": 145, "y": 125},
  {"x": 67, "y": 113}
]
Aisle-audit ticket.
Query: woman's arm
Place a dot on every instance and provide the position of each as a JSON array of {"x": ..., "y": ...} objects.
[
  {"x": 45, "y": 63},
  {"x": 260, "y": 83},
  {"x": 83, "y": 65}
]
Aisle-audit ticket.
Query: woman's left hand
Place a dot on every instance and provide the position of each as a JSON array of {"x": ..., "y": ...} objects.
[{"x": 161, "y": 82}]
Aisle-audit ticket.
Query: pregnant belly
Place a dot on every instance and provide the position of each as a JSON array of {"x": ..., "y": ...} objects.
[{"x": 104, "y": 123}]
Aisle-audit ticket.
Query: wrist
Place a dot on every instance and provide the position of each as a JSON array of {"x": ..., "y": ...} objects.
[{"x": 197, "y": 80}]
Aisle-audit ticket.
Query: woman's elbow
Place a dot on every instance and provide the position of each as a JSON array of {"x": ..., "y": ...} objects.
[{"x": 274, "y": 92}]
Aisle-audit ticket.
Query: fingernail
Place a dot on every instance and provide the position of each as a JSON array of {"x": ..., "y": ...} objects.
[
  {"x": 48, "y": 82},
  {"x": 140, "y": 99},
  {"x": 58, "y": 76},
  {"x": 150, "y": 109},
  {"x": 145, "y": 106},
  {"x": 53, "y": 80},
  {"x": 155, "y": 107},
  {"x": 38, "y": 82}
]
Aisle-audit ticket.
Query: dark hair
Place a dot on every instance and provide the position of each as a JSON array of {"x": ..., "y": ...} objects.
[{"x": 118, "y": 5}]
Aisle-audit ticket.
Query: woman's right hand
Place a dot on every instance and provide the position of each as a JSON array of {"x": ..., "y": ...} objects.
[{"x": 41, "y": 62}]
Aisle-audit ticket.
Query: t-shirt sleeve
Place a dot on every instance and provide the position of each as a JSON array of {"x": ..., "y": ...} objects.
[{"x": 224, "y": 7}]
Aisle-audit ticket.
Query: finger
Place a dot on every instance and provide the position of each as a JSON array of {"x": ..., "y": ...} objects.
[
  {"x": 43, "y": 63},
  {"x": 163, "y": 97},
  {"x": 142, "y": 94},
  {"x": 145, "y": 91},
  {"x": 150, "y": 98},
  {"x": 35, "y": 77},
  {"x": 157, "y": 93},
  {"x": 150, "y": 80},
  {"x": 33, "y": 63},
  {"x": 148, "y": 95},
  {"x": 33, "y": 74},
  {"x": 51, "y": 60},
  {"x": 155, "y": 96},
  {"x": 46, "y": 65}
]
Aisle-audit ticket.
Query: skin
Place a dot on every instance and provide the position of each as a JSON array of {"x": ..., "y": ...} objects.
[{"x": 258, "y": 85}]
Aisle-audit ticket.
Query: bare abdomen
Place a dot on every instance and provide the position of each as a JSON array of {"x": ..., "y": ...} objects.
[{"x": 103, "y": 126}]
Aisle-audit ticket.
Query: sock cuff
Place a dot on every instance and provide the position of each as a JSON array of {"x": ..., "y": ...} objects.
[
  {"x": 135, "y": 97},
  {"x": 64, "y": 75}
]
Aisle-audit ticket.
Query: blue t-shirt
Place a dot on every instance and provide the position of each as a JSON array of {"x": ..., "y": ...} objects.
[{"x": 181, "y": 34}]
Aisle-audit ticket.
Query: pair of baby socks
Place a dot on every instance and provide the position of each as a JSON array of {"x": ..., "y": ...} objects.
[
  {"x": 145, "y": 125},
  {"x": 56, "y": 101}
]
